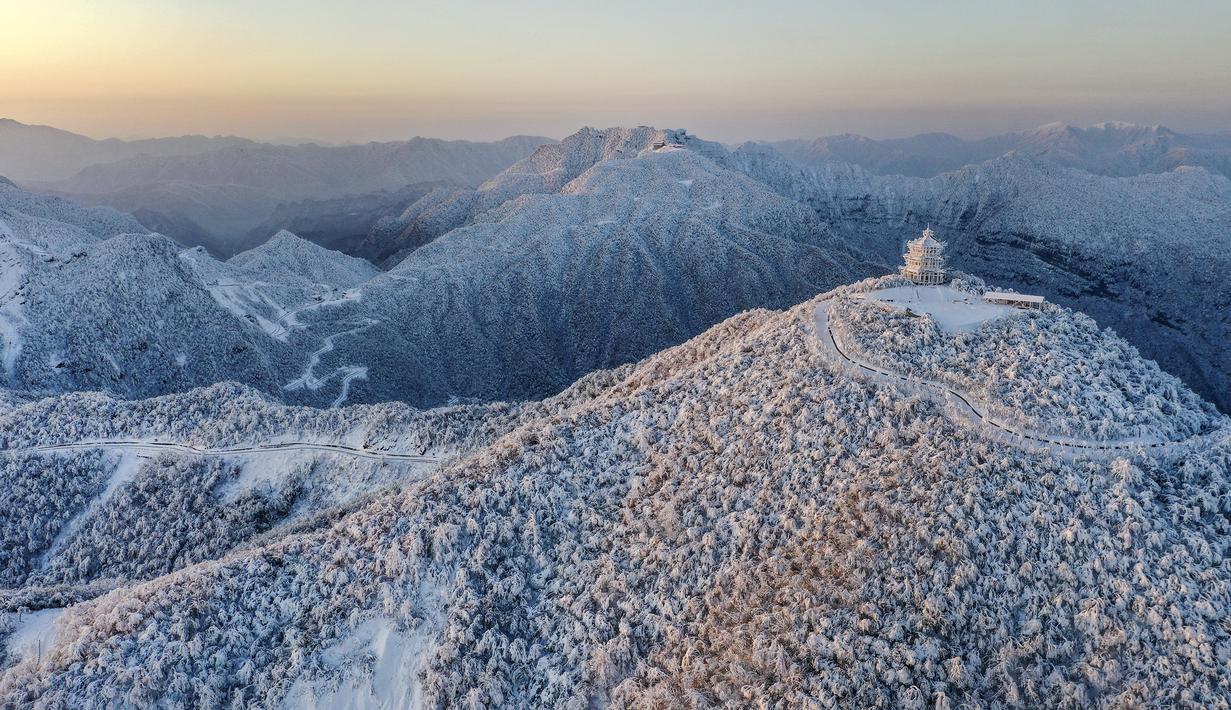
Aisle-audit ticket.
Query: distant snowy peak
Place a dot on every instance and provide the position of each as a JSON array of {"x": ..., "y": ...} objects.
[
  {"x": 287, "y": 256},
  {"x": 551, "y": 167},
  {"x": 548, "y": 170}
]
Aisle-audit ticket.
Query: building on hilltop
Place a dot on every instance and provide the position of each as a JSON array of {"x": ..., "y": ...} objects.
[
  {"x": 925, "y": 260},
  {"x": 1017, "y": 300}
]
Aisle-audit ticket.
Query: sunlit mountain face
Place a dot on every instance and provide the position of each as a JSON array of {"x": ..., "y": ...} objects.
[{"x": 375, "y": 357}]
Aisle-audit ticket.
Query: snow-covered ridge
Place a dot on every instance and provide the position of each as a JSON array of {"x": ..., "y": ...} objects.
[
  {"x": 646, "y": 544},
  {"x": 1053, "y": 371},
  {"x": 1115, "y": 248},
  {"x": 287, "y": 256}
]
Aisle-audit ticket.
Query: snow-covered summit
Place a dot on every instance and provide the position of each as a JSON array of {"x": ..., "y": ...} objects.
[
  {"x": 287, "y": 256},
  {"x": 628, "y": 257},
  {"x": 1052, "y": 371},
  {"x": 737, "y": 520}
]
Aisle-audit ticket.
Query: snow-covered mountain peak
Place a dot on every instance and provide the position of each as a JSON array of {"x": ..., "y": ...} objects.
[
  {"x": 1051, "y": 371},
  {"x": 656, "y": 513},
  {"x": 287, "y": 257}
]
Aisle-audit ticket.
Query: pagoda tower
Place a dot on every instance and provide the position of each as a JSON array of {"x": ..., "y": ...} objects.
[{"x": 925, "y": 260}]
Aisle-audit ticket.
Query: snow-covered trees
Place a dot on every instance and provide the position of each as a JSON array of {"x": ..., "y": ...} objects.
[
  {"x": 1053, "y": 371},
  {"x": 734, "y": 521}
]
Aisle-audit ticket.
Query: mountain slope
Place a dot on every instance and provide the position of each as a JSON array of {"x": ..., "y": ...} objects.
[
  {"x": 287, "y": 257},
  {"x": 128, "y": 315},
  {"x": 637, "y": 253},
  {"x": 733, "y": 521}
]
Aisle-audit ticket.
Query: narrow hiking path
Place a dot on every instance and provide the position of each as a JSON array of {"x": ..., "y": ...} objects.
[{"x": 966, "y": 403}]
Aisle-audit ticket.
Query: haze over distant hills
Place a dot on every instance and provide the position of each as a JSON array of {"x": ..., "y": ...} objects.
[
  {"x": 616, "y": 243},
  {"x": 229, "y": 194},
  {"x": 1112, "y": 148},
  {"x": 43, "y": 153}
]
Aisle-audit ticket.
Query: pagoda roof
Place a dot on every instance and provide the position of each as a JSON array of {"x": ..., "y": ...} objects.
[{"x": 928, "y": 239}]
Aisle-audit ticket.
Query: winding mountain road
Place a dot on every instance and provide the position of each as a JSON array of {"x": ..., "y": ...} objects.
[
  {"x": 963, "y": 400},
  {"x": 156, "y": 446}
]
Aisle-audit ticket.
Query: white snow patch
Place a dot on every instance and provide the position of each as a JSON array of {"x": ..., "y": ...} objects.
[
  {"x": 33, "y": 632},
  {"x": 377, "y": 667},
  {"x": 245, "y": 302},
  {"x": 266, "y": 470},
  {"x": 686, "y": 183},
  {"x": 11, "y": 317},
  {"x": 952, "y": 309},
  {"x": 125, "y": 470}
]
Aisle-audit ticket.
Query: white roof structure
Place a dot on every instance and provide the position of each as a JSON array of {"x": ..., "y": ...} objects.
[
  {"x": 928, "y": 239},
  {"x": 1002, "y": 296}
]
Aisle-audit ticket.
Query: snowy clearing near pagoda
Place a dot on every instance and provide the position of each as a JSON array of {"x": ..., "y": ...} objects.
[{"x": 952, "y": 309}]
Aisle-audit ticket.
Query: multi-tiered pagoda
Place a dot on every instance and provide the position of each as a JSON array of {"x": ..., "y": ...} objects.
[{"x": 925, "y": 260}]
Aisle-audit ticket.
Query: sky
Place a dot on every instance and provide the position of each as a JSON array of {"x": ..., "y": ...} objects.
[{"x": 383, "y": 70}]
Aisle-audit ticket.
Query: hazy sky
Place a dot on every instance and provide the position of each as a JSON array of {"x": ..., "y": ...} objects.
[{"x": 378, "y": 70}]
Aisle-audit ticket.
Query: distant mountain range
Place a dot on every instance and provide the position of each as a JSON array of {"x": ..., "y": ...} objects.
[
  {"x": 647, "y": 248},
  {"x": 31, "y": 153},
  {"x": 229, "y": 194},
  {"x": 1113, "y": 148},
  {"x": 616, "y": 243}
]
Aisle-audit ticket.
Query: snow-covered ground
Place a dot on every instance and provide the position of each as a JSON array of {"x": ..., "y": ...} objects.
[
  {"x": 952, "y": 309},
  {"x": 126, "y": 468},
  {"x": 970, "y": 407},
  {"x": 641, "y": 543},
  {"x": 11, "y": 318},
  {"x": 33, "y": 631},
  {"x": 376, "y": 667}
]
